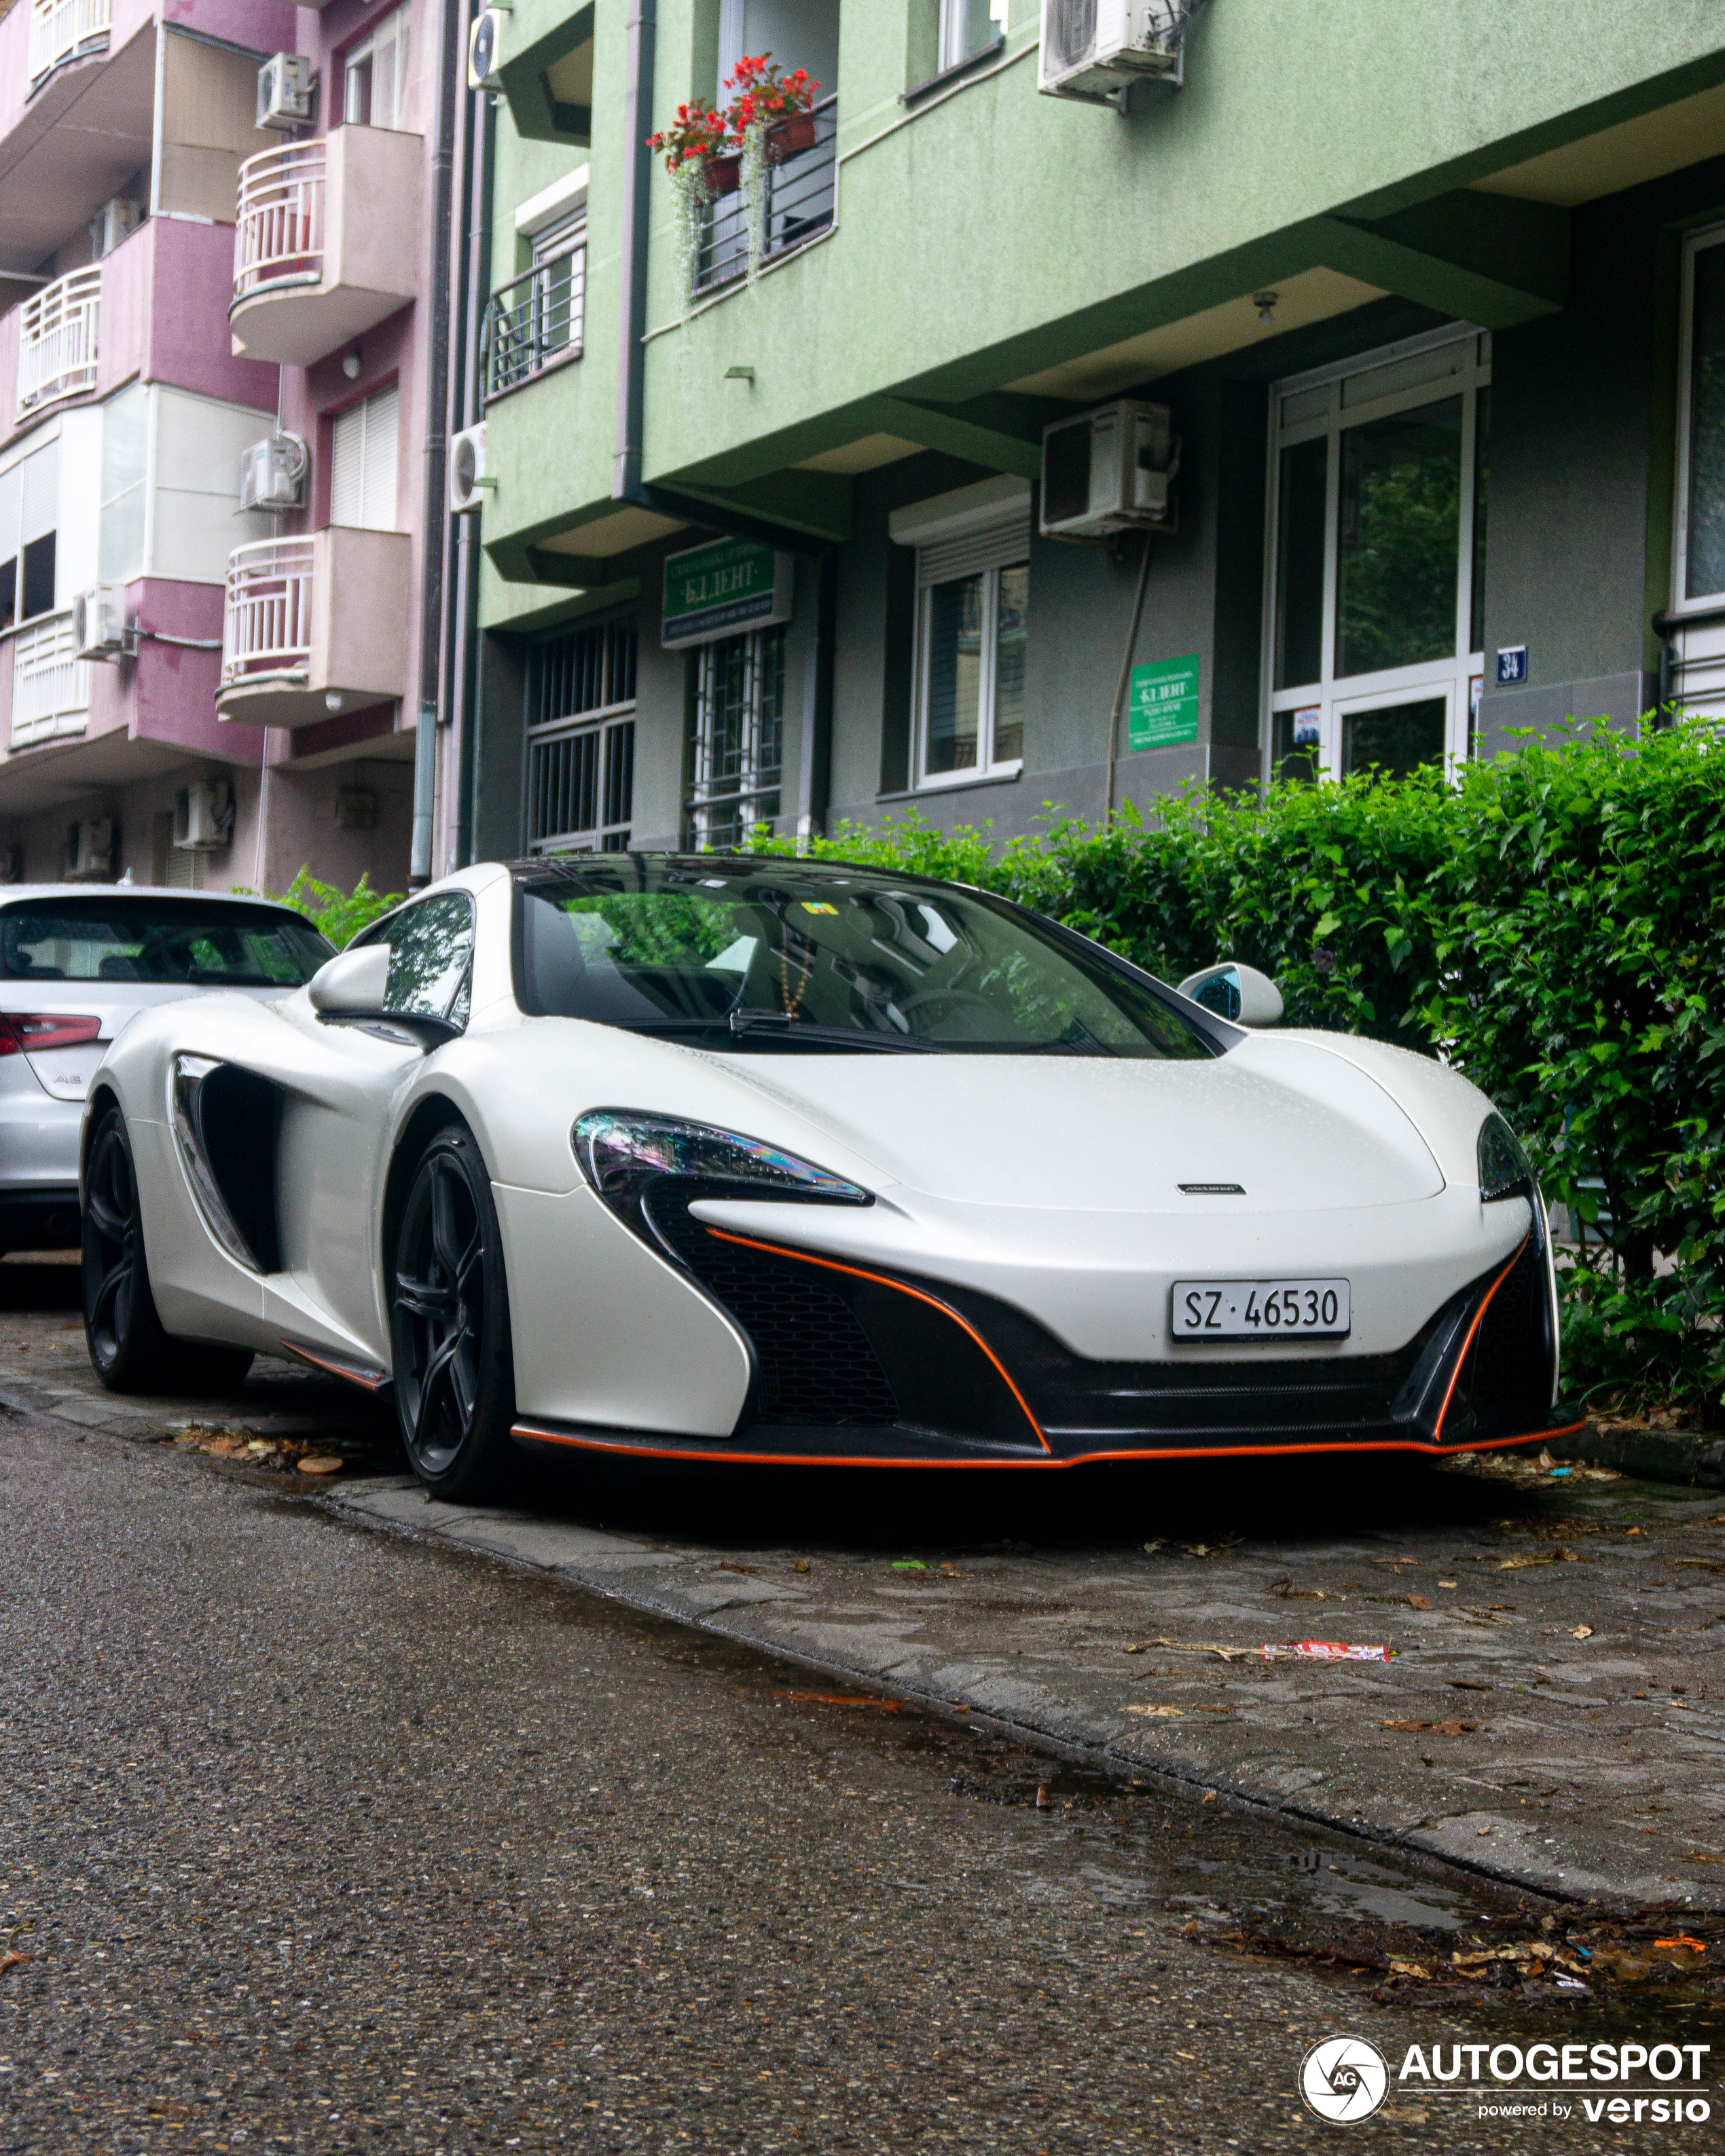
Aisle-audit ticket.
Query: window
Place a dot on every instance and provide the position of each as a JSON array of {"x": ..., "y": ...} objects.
[
  {"x": 376, "y": 76},
  {"x": 1376, "y": 603},
  {"x": 126, "y": 456},
  {"x": 29, "y": 512},
  {"x": 580, "y": 740},
  {"x": 736, "y": 736},
  {"x": 163, "y": 942},
  {"x": 1697, "y": 600},
  {"x": 969, "y": 27},
  {"x": 431, "y": 949},
  {"x": 362, "y": 462}
]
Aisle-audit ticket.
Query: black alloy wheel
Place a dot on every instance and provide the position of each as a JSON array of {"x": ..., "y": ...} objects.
[
  {"x": 453, "y": 1363},
  {"x": 128, "y": 1349}
]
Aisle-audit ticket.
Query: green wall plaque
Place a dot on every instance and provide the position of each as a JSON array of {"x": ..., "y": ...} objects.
[
  {"x": 720, "y": 589},
  {"x": 1163, "y": 706}
]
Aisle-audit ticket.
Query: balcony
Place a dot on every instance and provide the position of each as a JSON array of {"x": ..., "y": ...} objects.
[
  {"x": 50, "y": 689},
  {"x": 326, "y": 242},
  {"x": 57, "y": 341},
  {"x": 66, "y": 30},
  {"x": 799, "y": 207},
  {"x": 534, "y": 323},
  {"x": 315, "y": 627}
]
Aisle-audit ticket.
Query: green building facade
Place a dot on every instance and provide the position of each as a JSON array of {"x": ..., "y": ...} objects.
[{"x": 1424, "y": 304}]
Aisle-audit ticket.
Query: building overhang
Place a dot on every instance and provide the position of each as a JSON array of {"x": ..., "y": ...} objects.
[{"x": 85, "y": 132}]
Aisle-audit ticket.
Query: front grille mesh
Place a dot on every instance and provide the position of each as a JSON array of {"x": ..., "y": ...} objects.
[{"x": 815, "y": 1364}]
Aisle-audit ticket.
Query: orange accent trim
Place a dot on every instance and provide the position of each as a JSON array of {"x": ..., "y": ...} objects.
[
  {"x": 1456, "y": 1374},
  {"x": 335, "y": 1370},
  {"x": 1031, "y": 1466},
  {"x": 881, "y": 1280}
]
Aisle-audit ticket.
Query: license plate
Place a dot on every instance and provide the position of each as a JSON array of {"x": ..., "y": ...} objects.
[{"x": 1260, "y": 1310}]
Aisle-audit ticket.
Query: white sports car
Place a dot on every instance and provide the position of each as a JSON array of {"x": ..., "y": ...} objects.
[{"x": 743, "y": 1158}]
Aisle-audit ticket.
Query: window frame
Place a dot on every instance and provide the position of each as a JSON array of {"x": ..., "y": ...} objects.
[
  {"x": 398, "y": 22},
  {"x": 703, "y": 794},
  {"x": 1696, "y": 243},
  {"x": 951, "y": 51},
  {"x": 1459, "y": 677},
  {"x": 988, "y": 765}
]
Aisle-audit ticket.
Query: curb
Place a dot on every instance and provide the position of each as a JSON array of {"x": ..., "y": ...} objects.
[{"x": 1659, "y": 1456}]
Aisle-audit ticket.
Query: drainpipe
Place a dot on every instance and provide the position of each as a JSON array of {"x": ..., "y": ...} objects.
[
  {"x": 468, "y": 404},
  {"x": 435, "y": 537},
  {"x": 641, "y": 31}
]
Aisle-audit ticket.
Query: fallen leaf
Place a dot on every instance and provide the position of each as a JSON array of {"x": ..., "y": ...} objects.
[
  {"x": 843, "y": 1699},
  {"x": 1558, "y": 1555},
  {"x": 1581, "y": 1631},
  {"x": 321, "y": 1463},
  {"x": 1210, "y": 1796},
  {"x": 729, "y": 1564},
  {"x": 1470, "y": 1684},
  {"x": 1700, "y": 1857},
  {"x": 908, "y": 1564},
  {"x": 1696, "y": 1946},
  {"x": 1449, "y": 1583},
  {"x": 1413, "y": 1968},
  {"x": 1446, "y": 1728},
  {"x": 1155, "y": 1710},
  {"x": 13, "y": 1961},
  {"x": 1418, "y": 1602},
  {"x": 801, "y": 1565}
]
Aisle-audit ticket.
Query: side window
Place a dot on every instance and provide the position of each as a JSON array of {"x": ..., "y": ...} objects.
[{"x": 430, "y": 947}]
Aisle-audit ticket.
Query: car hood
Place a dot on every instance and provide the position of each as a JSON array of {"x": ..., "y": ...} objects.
[{"x": 1296, "y": 1126}]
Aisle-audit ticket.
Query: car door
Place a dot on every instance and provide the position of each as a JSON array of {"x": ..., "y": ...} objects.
[{"x": 334, "y": 1148}]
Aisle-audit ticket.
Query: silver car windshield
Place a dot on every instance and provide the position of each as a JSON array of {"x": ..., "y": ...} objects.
[
  {"x": 158, "y": 941},
  {"x": 781, "y": 955}
]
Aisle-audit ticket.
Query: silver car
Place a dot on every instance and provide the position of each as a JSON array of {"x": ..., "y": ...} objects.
[{"x": 77, "y": 963}]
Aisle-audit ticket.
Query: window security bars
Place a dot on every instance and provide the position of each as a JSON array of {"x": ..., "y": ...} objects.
[
  {"x": 50, "y": 689},
  {"x": 266, "y": 621},
  {"x": 278, "y": 227},
  {"x": 736, "y": 737},
  {"x": 799, "y": 205},
  {"x": 579, "y": 795},
  {"x": 57, "y": 341},
  {"x": 60, "y": 29},
  {"x": 535, "y": 322}
]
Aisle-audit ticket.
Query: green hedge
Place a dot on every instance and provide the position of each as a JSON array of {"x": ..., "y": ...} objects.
[
  {"x": 339, "y": 914},
  {"x": 1555, "y": 925}
]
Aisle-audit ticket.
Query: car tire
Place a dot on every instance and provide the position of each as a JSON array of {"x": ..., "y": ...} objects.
[
  {"x": 129, "y": 1351},
  {"x": 452, "y": 1360}
]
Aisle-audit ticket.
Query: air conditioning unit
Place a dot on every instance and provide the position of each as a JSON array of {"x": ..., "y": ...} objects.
[
  {"x": 485, "y": 50},
  {"x": 468, "y": 483},
  {"x": 1094, "y": 49},
  {"x": 115, "y": 221},
  {"x": 98, "y": 623},
  {"x": 287, "y": 86},
  {"x": 272, "y": 473},
  {"x": 1110, "y": 470},
  {"x": 204, "y": 816},
  {"x": 90, "y": 849}
]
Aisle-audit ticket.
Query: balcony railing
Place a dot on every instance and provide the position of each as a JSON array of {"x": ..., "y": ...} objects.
[
  {"x": 534, "y": 322},
  {"x": 799, "y": 205},
  {"x": 56, "y": 339},
  {"x": 50, "y": 689},
  {"x": 61, "y": 30},
  {"x": 279, "y": 224},
  {"x": 266, "y": 621}
]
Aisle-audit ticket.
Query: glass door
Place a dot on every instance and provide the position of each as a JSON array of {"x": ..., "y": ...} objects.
[{"x": 1376, "y": 593}]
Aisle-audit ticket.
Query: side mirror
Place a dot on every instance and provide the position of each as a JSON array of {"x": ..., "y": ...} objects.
[
  {"x": 1236, "y": 992},
  {"x": 352, "y": 983}
]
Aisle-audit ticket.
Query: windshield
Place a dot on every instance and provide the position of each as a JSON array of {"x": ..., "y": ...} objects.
[
  {"x": 159, "y": 941},
  {"x": 775, "y": 954}
]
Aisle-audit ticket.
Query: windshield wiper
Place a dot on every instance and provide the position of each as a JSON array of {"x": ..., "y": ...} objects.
[
  {"x": 782, "y": 1022},
  {"x": 775, "y": 1026}
]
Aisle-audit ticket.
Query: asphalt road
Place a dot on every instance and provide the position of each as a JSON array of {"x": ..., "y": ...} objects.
[{"x": 320, "y": 1838}]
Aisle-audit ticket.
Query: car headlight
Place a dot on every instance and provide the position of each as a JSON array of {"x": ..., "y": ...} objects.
[
  {"x": 1505, "y": 1170},
  {"x": 626, "y": 1155}
]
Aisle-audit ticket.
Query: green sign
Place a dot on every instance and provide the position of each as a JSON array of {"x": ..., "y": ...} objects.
[
  {"x": 718, "y": 590},
  {"x": 1163, "y": 707}
]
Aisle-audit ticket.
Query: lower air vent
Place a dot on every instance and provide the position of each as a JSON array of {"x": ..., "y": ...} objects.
[{"x": 814, "y": 1362}]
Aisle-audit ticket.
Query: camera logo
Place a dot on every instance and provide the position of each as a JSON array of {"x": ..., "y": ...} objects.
[{"x": 1344, "y": 2078}]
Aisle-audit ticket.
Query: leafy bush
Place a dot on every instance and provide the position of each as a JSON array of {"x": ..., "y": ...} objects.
[
  {"x": 339, "y": 914},
  {"x": 1552, "y": 924}
]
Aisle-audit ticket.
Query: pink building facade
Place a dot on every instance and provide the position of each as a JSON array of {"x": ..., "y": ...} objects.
[{"x": 208, "y": 680}]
